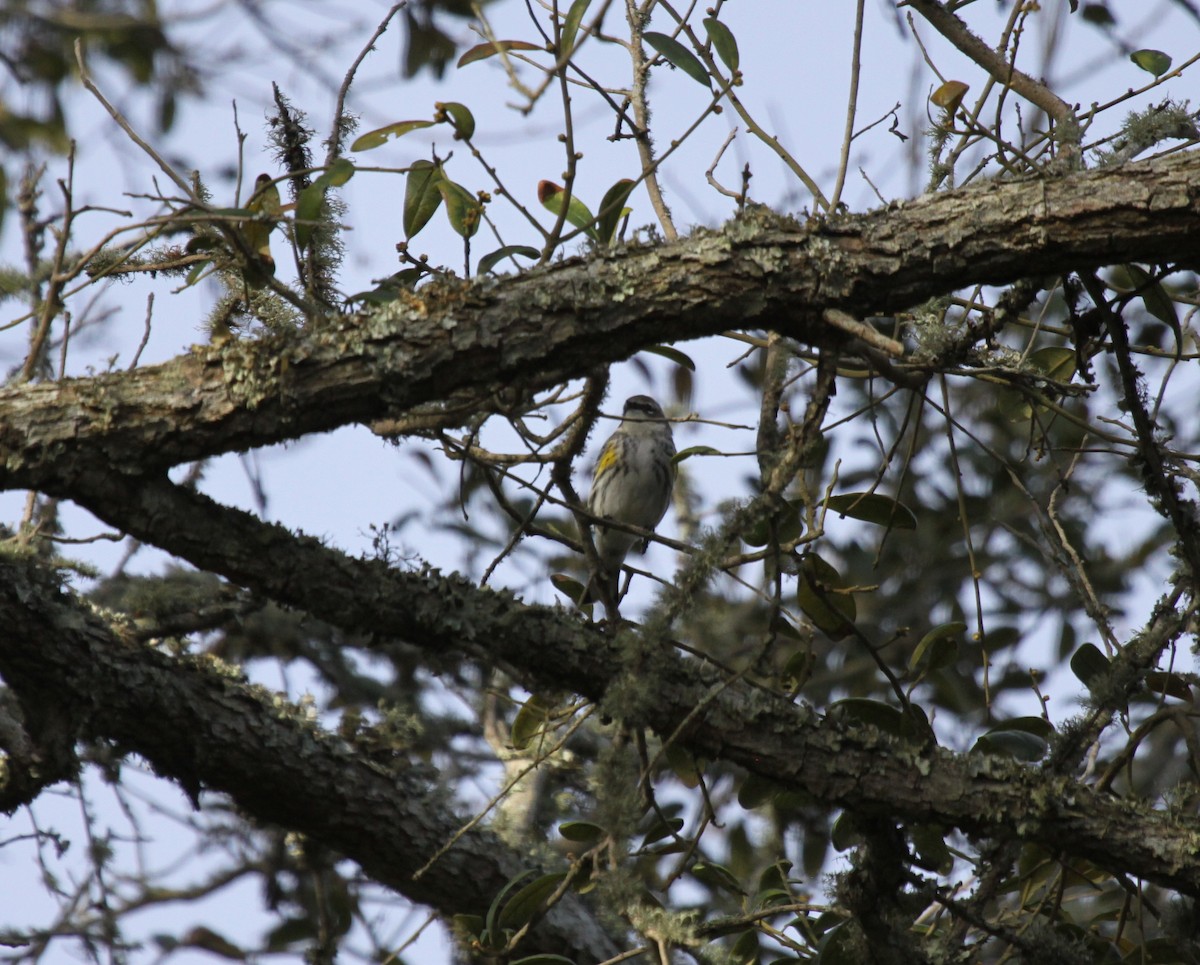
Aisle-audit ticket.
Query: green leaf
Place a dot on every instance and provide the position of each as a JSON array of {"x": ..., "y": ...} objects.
[
  {"x": 527, "y": 902},
  {"x": 1057, "y": 361},
  {"x": 337, "y": 174},
  {"x": 493, "y": 47},
  {"x": 1089, "y": 665},
  {"x": 844, "y": 835},
  {"x": 676, "y": 356},
  {"x": 788, "y": 526},
  {"x": 1054, "y": 361},
  {"x": 421, "y": 196},
  {"x": 1000, "y": 638},
  {"x": 716, "y": 876},
  {"x": 831, "y": 612},
  {"x": 1098, "y": 14},
  {"x": 840, "y": 945},
  {"x": 463, "y": 210},
  {"x": 389, "y": 289},
  {"x": 1152, "y": 61},
  {"x": 1158, "y": 303},
  {"x": 578, "y": 214},
  {"x": 612, "y": 209},
  {"x": 379, "y": 136},
  {"x": 723, "y": 42},
  {"x": 949, "y": 95},
  {"x": 755, "y": 791},
  {"x": 460, "y": 117},
  {"x": 661, "y": 829},
  {"x": 798, "y": 669},
  {"x": 581, "y": 832},
  {"x": 1017, "y": 744},
  {"x": 1168, "y": 684},
  {"x": 1038, "y": 726},
  {"x": 745, "y": 950},
  {"x": 566, "y": 41},
  {"x": 929, "y": 842},
  {"x": 938, "y": 647},
  {"x": 197, "y": 270},
  {"x": 873, "y": 508},
  {"x": 308, "y": 209},
  {"x": 493, "y": 258},
  {"x": 530, "y": 721},
  {"x": 677, "y": 55},
  {"x": 683, "y": 763},
  {"x": 694, "y": 451},
  {"x": 466, "y": 928},
  {"x": 876, "y": 713}
]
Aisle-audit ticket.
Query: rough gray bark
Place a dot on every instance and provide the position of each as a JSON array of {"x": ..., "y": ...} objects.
[
  {"x": 549, "y": 648},
  {"x": 209, "y": 732},
  {"x": 455, "y": 349}
]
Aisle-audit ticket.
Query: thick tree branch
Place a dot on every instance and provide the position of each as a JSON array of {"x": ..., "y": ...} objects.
[
  {"x": 460, "y": 346},
  {"x": 549, "y": 649},
  {"x": 211, "y": 732}
]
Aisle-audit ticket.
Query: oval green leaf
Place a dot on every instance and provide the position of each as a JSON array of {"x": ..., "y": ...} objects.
[
  {"x": 788, "y": 526},
  {"x": 1158, "y": 303},
  {"x": 723, "y": 42},
  {"x": 844, "y": 835},
  {"x": 463, "y": 210},
  {"x": 308, "y": 210},
  {"x": 677, "y": 55},
  {"x": 570, "y": 28},
  {"x": 756, "y": 791},
  {"x": 949, "y": 95},
  {"x": 1017, "y": 744},
  {"x": 873, "y": 508},
  {"x": 527, "y": 902},
  {"x": 460, "y": 118},
  {"x": 421, "y": 196},
  {"x": 716, "y": 876},
  {"x": 1089, "y": 665},
  {"x": 612, "y": 209},
  {"x": 578, "y": 214},
  {"x": 831, "y": 612},
  {"x": 492, "y": 47},
  {"x": 864, "y": 710},
  {"x": 661, "y": 829},
  {"x": 676, "y": 356},
  {"x": 929, "y": 843},
  {"x": 694, "y": 451},
  {"x": 337, "y": 174},
  {"x": 581, "y": 832},
  {"x": 529, "y": 722},
  {"x": 1168, "y": 684},
  {"x": 1057, "y": 361},
  {"x": 493, "y": 258},
  {"x": 938, "y": 647},
  {"x": 1152, "y": 61},
  {"x": 380, "y": 136}
]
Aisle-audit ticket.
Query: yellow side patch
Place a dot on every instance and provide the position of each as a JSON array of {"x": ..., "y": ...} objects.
[{"x": 607, "y": 458}]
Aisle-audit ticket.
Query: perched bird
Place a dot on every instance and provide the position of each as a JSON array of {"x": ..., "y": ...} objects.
[{"x": 634, "y": 478}]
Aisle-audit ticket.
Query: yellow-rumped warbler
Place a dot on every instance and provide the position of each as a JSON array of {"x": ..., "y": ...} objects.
[{"x": 634, "y": 478}]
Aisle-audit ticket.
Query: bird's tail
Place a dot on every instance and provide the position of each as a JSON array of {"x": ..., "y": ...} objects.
[{"x": 610, "y": 579}]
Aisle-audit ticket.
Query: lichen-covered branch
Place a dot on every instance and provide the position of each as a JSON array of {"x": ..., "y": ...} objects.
[
  {"x": 212, "y": 731},
  {"x": 458, "y": 347},
  {"x": 550, "y": 649}
]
